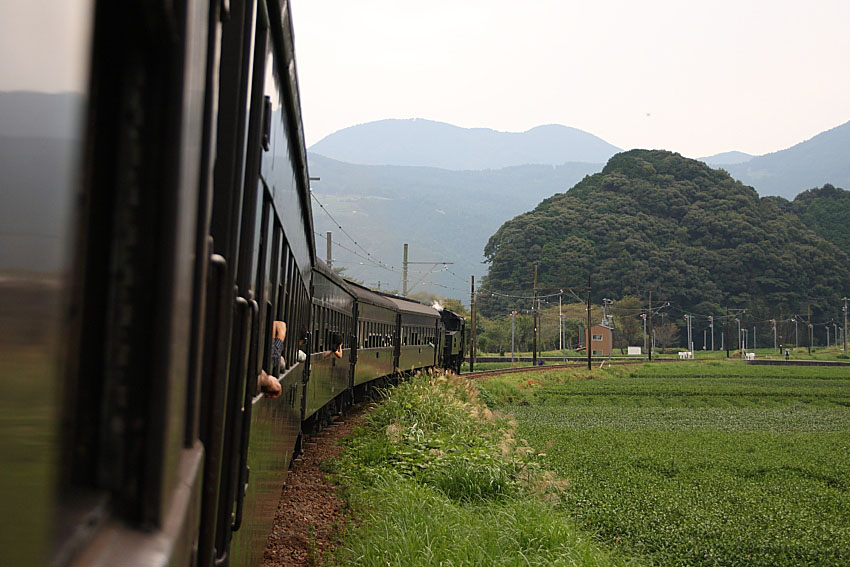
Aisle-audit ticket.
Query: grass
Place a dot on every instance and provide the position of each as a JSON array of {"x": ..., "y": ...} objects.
[
  {"x": 706, "y": 463},
  {"x": 29, "y": 446},
  {"x": 435, "y": 478}
]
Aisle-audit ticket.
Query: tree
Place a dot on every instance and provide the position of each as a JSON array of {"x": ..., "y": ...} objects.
[{"x": 666, "y": 335}]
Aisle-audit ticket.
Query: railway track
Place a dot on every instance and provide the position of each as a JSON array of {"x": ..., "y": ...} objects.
[{"x": 495, "y": 372}]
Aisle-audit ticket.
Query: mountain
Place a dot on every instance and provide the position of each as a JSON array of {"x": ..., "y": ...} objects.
[
  {"x": 692, "y": 234},
  {"x": 813, "y": 163},
  {"x": 419, "y": 142},
  {"x": 726, "y": 158},
  {"x": 443, "y": 215}
]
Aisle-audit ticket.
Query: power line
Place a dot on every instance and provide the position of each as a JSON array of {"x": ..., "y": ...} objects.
[{"x": 339, "y": 226}]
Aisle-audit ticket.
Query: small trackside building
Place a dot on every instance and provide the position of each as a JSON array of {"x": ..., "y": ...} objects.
[{"x": 601, "y": 340}]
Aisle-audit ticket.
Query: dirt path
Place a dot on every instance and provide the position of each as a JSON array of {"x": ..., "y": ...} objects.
[{"x": 310, "y": 514}]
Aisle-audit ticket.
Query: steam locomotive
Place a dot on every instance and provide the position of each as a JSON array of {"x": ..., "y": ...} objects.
[{"x": 167, "y": 228}]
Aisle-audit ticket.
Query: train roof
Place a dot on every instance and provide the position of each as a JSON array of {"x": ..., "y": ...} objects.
[
  {"x": 321, "y": 267},
  {"x": 366, "y": 295},
  {"x": 409, "y": 306}
]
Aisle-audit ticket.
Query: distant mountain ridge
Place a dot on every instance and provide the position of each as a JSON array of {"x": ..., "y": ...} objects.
[
  {"x": 444, "y": 215},
  {"x": 419, "y": 142},
  {"x": 823, "y": 159},
  {"x": 726, "y": 158}
]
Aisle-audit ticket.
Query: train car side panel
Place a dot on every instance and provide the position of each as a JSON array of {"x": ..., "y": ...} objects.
[{"x": 376, "y": 321}]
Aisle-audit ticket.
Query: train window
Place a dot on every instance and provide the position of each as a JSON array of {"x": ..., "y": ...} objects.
[
  {"x": 314, "y": 346},
  {"x": 290, "y": 312}
]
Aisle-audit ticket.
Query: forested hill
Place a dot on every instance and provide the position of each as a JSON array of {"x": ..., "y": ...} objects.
[
  {"x": 695, "y": 236},
  {"x": 827, "y": 212}
]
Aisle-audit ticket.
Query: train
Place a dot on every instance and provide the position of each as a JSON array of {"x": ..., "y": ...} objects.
[{"x": 159, "y": 224}]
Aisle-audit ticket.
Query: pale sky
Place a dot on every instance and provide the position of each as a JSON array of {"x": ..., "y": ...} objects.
[{"x": 698, "y": 78}]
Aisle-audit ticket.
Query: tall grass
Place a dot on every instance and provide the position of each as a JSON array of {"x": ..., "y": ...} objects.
[{"x": 434, "y": 477}]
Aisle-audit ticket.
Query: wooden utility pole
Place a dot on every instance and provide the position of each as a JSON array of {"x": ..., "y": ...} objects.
[
  {"x": 471, "y": 308},
  {"x": 649, "y": 320},
  {"x": 534, "y": 320},
  {"x": 587, "y": 342}
]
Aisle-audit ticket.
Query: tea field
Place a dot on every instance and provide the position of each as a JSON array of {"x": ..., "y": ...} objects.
[{"x": 706, "y": 463}]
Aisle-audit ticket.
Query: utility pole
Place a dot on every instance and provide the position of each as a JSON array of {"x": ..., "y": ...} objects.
[
  {"x": 560, "y": 326},
  {"x": 329, "y": 253},
  {"x": 649, "y": 316},
  {"x": 796, "y": 334},
  {"x": 754, "y": 337},
  {"x": 811, "y": 331},
  {"x": 811, "y": 336},
  {"x": 643, "y": 316},
  {"x": 513, "y": 331},
  {"x": 587, "y": 346},
  {"x": 726, "y": 330},
  {"x": 534, "y": 321},
  {"x": 775, "y": 347},
  {"x": 471, "y": 308},
  {"x": 844, "y": 331},
  {"x": 404, "y": 275},
  {"x": 740, "y": 335},
  {"x": 827, "y": 336},
  {"x": 404, "y": 287},
  {"x": 711, "y": 321}
]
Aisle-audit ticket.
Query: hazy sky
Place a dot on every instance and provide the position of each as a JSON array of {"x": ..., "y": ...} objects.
[
  {"x": 44, "y": 45},
  {"x": 694, "y": 77}
]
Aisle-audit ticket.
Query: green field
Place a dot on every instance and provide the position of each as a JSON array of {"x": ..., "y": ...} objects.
[{"x": 712, "y": 463}]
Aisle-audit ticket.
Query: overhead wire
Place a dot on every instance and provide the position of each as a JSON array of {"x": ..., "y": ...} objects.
[{"x": 339, "y": 226}]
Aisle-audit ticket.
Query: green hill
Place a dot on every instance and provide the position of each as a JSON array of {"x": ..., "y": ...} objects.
[
  {"x": 695, "y": 236},
  {"x": 827, "y": 212}
]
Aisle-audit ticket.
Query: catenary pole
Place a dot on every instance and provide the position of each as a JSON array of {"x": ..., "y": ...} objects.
[
  {"x": 711, "y": 321},
  {"x": 811, "y": 329},
  {"x": 404, "y": 273},
  {"x": 329, "y": 254},
  {"x": 649, "y": 318},
  {"x": 587, "y": 343},
  {"x": 472, "y": 309},
  {"x": 534, "y": 320},
  {"x": 513, "y": 332}
]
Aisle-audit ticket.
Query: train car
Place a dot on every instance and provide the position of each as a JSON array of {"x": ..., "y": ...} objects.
[
  {"x": 417, "y": 329},
  {"x": 163, "y": 224},
  {"x": 376, "y": 332},
  {"x": 159, "y": 224},
  {"x": 331, "y": 365},
  {"x": 452, "y": 340}
]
